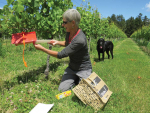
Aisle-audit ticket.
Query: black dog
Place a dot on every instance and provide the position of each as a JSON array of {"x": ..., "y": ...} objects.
[{"x": 103, "y": 46}]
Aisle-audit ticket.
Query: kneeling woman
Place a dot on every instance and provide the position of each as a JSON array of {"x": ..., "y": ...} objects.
[{"x": 75, "y": 48}]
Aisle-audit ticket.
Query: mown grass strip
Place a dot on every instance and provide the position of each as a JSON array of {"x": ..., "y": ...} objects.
[{"x": 127, "y": 75}]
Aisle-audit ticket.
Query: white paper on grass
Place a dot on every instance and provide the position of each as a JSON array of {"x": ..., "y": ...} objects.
[{"x": 41, "y": 108}]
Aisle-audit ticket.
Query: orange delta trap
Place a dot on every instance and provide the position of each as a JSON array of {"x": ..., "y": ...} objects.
[
  {"x": 23, "y": 38},
  {"x": 26, "y": 38}
]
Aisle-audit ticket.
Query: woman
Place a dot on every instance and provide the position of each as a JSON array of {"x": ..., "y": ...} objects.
[{"x": 75, "y": 47}]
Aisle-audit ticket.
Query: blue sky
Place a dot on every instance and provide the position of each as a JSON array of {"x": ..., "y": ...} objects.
[{"x": 127, "y": 8}]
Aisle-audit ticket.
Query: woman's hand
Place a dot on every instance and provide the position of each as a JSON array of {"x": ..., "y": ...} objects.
[
  {"x": 53, "y": 42},
  {"x": 39, "y": 47}
]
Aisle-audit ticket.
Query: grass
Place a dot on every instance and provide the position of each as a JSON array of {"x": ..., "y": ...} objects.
[{"x": 127, "y": 76}]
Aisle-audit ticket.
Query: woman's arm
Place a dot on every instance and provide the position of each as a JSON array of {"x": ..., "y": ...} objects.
[
  {"x": 55, "y": 42},
  {"x": 62, "y": 43},
  {"x": 50, "y": 52}
]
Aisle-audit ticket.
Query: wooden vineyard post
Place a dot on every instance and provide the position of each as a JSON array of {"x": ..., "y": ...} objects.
[{"x": 47, "y": 62}]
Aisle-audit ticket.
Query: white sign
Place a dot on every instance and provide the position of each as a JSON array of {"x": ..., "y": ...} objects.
[{"x": 41, "y": 108}]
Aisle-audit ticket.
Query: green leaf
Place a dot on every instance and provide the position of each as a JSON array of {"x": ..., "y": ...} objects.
[
  {"x": 39, "y": 24},
  {"x": 4, "y": 27},
  {"x": 19, "y": 8},
  {"x": 18, "y": 20},
  {"x": 13, "y": 19},
  {"x": 29, "y": 0},
  {"x": 9, "y": 2},
  {"x": 44, "y": 10},
  {"x": 52, "y": 3},
  {"x": 36, "y": 4},
  {"x": 49, "y": 22},
  {"x": 38, "y": 16},
  {"x": 49, "y": 4}
]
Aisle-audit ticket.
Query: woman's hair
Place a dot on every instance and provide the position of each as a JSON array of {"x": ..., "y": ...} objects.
[{"x": 72, "y": 14}]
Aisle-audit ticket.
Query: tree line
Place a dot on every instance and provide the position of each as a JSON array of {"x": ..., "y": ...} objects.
[{"x": 130, "y": 25}]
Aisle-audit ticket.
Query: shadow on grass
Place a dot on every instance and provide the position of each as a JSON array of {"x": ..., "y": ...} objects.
[
  {"x": 30, "y": 76},
  {"x": 97, "y": 60}
]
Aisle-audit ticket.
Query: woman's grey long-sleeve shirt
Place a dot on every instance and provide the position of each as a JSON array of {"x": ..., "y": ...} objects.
[{"x": 77, "y": 51}]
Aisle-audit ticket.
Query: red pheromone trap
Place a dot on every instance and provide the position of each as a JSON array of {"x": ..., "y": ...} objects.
[
  {"x": 28, "y": 37},
  {"x": 25, "y": 38}
]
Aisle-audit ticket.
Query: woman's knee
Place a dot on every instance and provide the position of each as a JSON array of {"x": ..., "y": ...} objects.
[{"x": 64, "y": 86}]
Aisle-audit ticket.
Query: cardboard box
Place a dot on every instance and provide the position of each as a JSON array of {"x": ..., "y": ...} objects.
[{"x": 93, "y": 91}]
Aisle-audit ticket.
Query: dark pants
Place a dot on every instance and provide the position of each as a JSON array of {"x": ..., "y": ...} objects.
[{"x": 72, "y": 78}]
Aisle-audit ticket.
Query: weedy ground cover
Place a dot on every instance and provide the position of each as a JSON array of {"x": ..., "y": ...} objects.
[
  {"x": 144, "y": 45},
  {"x": 21, "y": 88}
]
